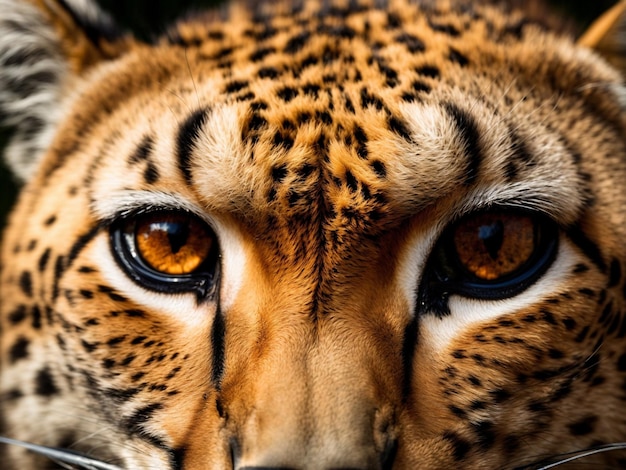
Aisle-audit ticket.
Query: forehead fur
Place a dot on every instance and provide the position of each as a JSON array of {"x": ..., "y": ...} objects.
[{"x": 359, "y": 102}]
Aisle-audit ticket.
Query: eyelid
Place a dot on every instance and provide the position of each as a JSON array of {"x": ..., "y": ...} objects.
[{"x": 126, "y": 204}]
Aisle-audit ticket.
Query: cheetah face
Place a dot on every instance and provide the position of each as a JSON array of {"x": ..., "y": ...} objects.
[{"x": 313, "y": 235}]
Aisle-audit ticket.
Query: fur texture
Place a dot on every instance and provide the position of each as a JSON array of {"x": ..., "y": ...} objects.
[{"x": 333, "y": 151}]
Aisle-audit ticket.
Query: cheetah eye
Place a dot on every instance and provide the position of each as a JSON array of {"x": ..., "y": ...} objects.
[
  {"x": 488, "y": 255},
  {"x": 167, "y": 251}
]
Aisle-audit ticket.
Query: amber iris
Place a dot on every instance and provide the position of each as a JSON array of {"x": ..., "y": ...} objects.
[
  {"x": 173, "y": 243},
  {"x": 493, "y": 245}
]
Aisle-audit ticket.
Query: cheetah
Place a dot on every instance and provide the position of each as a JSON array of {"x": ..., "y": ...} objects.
[{"x": 313, "y": 235}]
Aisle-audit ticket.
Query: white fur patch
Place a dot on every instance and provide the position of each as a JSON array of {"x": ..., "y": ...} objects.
[
  {"x": 29, "y": 58},
  {"x": 181, "y": 306},
  {"x": 464, "y": 312}
]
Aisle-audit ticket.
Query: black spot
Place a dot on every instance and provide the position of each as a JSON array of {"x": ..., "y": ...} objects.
[
  {"x": 583, "y": 426},
  {"x": 339, "y": 31},
  {"x": 89, "y": 347},
  {"x": 511, "y": 443},
  {"x": 108, "y": 363},
  {"x": 615, "y": 273},
  {"x": 469, "y": 135},
  {"x": 151, "y": 174},
  {"x": 305, "y": 170},
  {"x": 258, "y": 105},
  {"x": 458, "y": 58},
  {"x": 448, "y": 29},
  {"x": 134, "y": 313},
  {"x": 11, "y": 395},
  {"x": 268, "y": 72},
  {"x": 420, "y": 87},
  {"x": 143, "y": 151},
  {"x": 555, "y": 353},
  {"x": 361, "y": 142},
  {"x": 330, "y": 55},
  {"x": 351, "y": 182},
  {"x": 216, "y": 35},
  {"x": 188, "y": 133},
  {"x": 569, "y": 323},
  {"x": 115, "y": 341},
  {"x": 86, "y": 294},
  {"x": 606, "y": 311},
  {"x": 455, "y": 410},
  {"x": 399, "y": 127},
  {"x": 279, "y": 172},
  {"x": 311, "y": 90},
  {"x": 500, "y": 395},
  {"x": 134, "y": 422},
  {"x": 18, "y": 315},
  {"x": 391, "y": 76},
  {"x": 587, "y": 292},
  {"x": 236, "y": 85},
  {"x": 137, "y": 376},
  {"x": 26, "y": 283},
  {"x": 50, "y": 220},
  {"x": 591, "y": 250},
  {"x": 474, "y": 380},
  {"x": 287, "y": 94},
  {"x": 379, "y": 168},
  {"x": 413, "y": 43},
  {"x": 485, "y": 433},
  {"x": 393, "y": 20},
  {"x": 409, "y": 344},
  {"x": 19, "y": 350},
  {"x": 296, "y": 43},
  {"x": 36, "y": 317},
  {"x": 127, "y": 360},
  {"x": 44, "y": 384},
  {"x": 80, "y": 243},
  {"x": 369, "y": 99},
  {"x": 324, "y": 117},
  {"x": 460, "y": 447},
  {"x": 582, "y": 335},
  {"x": 218, "y": 338},
  {"x": 281, "y": 140},
  {"x": 261, "y": 53},
  {"x": 428, "y": 71},
  {"x": 43, "y": 260},
  {"x": 246, "y": 97}
]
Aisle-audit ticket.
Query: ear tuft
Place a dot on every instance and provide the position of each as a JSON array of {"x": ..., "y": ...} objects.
[
  {"x": 607, "y": 36},
  {"x": 43, "y": 46}
]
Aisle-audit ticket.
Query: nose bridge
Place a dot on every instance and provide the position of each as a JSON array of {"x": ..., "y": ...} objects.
[
  {"x": 317, "y": 407},
  {"x": 320, "y": 389}
]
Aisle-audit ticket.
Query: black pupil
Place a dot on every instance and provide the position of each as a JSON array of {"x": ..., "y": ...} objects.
[
  {"x": 177, "y": 234},
  {"x": 492, "y": 236}
]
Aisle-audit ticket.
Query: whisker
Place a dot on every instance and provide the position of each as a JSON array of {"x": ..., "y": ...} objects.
[
  {"x": 572, "y": 456},
  {"x": 62, "y": 455}
]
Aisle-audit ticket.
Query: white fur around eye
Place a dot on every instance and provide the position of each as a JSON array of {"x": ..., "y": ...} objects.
[
  {"x": 182, "y": 306},
  {"x": 466, "y": 312}
]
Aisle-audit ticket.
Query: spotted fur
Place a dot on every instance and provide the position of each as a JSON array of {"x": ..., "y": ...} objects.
[{"x": 329, "y": 145}]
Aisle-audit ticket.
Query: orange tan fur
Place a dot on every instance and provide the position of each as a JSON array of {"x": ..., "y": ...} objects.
[{"x": 330, "y": 146}]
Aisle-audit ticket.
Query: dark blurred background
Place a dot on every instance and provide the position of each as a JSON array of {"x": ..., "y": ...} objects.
[{"x": 149, "y": 18}]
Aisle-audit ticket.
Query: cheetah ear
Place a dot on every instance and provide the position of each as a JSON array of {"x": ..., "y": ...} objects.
[
  {"x": 45, "y": 47},
  {"x": 607, "y": 35}
]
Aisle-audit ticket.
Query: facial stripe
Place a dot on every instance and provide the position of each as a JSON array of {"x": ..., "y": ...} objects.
[
  {"x": 469, "y": 135},
  {"x": 186, "y": 139}
]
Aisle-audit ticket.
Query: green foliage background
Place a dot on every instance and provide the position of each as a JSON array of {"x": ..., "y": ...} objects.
[{"x": 149, "y": 18}]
